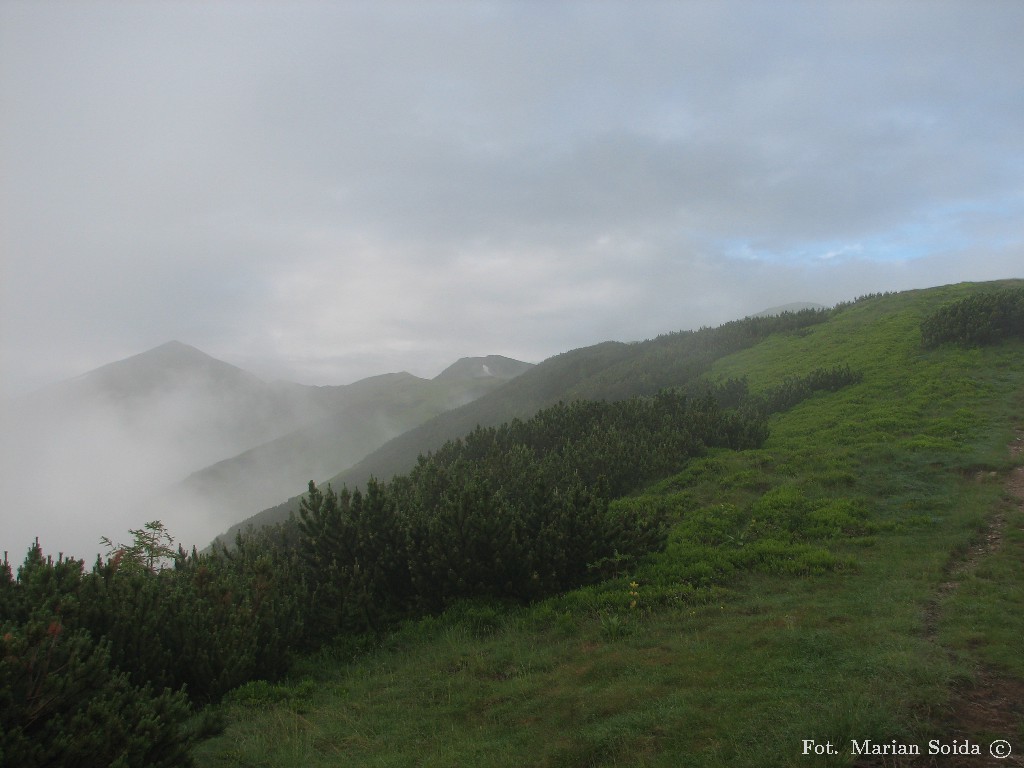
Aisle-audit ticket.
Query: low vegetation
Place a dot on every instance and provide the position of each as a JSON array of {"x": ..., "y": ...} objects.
[
  {"x": 712, "y": 574},
  {"x": 608, "y": 371},
  {"x": 978, "y": 319}
]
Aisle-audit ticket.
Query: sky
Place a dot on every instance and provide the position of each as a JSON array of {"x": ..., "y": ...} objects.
[{"x": 326, "y": 191}]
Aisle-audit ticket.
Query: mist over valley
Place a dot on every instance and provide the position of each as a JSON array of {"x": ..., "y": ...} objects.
[{"x": 177, "y": 435}]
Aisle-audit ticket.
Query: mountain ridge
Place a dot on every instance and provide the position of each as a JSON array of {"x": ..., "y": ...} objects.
[
  {"x": 367, "y": 414},
  {"x": 607, "y": 370},
  {"x": 198, "y": 442}
]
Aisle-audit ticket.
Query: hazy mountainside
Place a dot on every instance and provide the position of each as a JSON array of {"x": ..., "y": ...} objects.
[
  {"x": 490, "y": 367},
  {"x": 608, "y": 371},
  {"x": 175, "y": 392},
  {"x": 363, "y": 416},
  {"x": 106, "y": 443},
  {"x": 175, "y": 434}
]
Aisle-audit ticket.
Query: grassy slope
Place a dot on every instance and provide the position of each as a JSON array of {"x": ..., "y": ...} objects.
[{"x": 740, "y": 671}]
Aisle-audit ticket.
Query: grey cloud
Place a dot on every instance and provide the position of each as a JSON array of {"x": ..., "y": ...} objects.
[{"x": 177, "y": 166}]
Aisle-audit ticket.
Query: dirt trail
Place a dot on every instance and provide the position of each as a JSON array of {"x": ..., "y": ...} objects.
[{"x": 992, "y": 704}]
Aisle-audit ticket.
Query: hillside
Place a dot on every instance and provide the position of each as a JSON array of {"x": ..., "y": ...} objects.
[
  {"x": 362, "y": 417},
  {"x": 806, "y": 552},
  {"x": 176, "y": 392},
  {"x": 854, "y": 581},
  {"x": 175, "y": 434},
  {"x": 106, "y": 444},
  {"x": 607, "y": 371}
]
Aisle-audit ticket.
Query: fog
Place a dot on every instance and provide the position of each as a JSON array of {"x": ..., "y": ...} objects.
[
  {"x": 174, "y": 435},
  {"x": 87, "y": 459},
  {"x": 71, "y": 479}
]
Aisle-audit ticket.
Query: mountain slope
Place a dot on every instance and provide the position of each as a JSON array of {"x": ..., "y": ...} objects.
[
  {"x": 163, "y": 368},
  {"x": 489, "y": 367},
  {"x": 856, "y": 580},
  {"x": 105, "y": 444},
  {"x": 175, "y": 392},
  {"x": 608, "y": 371},
  {"x": 175, "y": 434},
  {"x": 362, "y": 417}
]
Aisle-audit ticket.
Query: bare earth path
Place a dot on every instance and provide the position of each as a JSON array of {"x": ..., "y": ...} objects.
[{"x": 992, "y": 705}]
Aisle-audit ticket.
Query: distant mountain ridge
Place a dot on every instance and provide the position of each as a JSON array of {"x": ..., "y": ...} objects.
[
  {"x": 365, "y": 415},
  {"x": 610, "y": 370},
  {"x": 176, "y": 392},
  {"x": 175, "y": 434},
  {"x": 161, "y": 368}
]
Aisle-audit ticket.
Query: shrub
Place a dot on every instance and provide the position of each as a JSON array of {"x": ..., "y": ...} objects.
[
  {"x": 983, "y": 318},
  {"x": 62, "y": 700}
]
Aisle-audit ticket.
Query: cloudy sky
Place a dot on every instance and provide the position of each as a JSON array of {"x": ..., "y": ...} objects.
[{"x": 325, "y": 191}]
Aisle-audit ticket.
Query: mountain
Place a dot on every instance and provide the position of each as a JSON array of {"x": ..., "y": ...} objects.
[
  {"x": 851, "y": 585},
  {"x": 178, "y": 395},
  {"x": 90, "y": 456},
  {"x": 490, "y": 367},
  {"x": 363, "y": 417},
  {"x": 177, "y": 435},
  {"x": 608, "y": 371},
  {"x": 821, "y": 541},
  {"x": 162, "y": 369}
]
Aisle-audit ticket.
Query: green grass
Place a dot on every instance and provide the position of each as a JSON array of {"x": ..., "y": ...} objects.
[
  {"x": 983, "y": 618},
  {"x": 800, "y": 595}
]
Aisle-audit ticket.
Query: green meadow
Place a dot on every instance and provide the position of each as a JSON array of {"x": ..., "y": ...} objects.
[{"x": 857, "y": 577}]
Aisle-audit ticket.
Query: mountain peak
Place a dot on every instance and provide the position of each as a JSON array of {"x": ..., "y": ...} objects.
[
  {"x": 164, "y": 367},
  {"x": 174, "y": 345},
  {"x": 489, "y": 367},
  {"x": 173, "y": 351}
]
